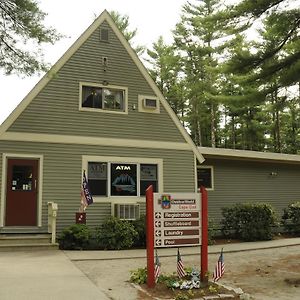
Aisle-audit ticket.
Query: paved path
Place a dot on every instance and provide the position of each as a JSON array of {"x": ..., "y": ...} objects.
[
  {"x": 39, "y": 275},
  {"x": 51, "y": 274}
]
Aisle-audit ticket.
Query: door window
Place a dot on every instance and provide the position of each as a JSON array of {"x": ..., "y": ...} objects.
[{"x": 22, "y": 178}]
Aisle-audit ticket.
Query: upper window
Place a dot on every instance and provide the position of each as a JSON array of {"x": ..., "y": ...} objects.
[
  {"x": 205, "y": 177},
  {"x": 106, "y": 98}
]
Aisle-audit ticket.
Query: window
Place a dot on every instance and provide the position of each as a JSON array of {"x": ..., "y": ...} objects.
[
  {"x": 104, "y": 98},
  {"x": 97, "y": 178},
  {"x": 205, "y": 177},
  {"x": 121, "y": 179},
  {"x": 148, "y": 177}
]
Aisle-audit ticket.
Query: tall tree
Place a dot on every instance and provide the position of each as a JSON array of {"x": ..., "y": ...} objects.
[
  {"x": 122, "y": 22},
  {"x": 195, "y": 36},
  {"x": 165, "y": 68},
  {"x": 284, "y": 18},
  {"x": 21, "y": 23}
]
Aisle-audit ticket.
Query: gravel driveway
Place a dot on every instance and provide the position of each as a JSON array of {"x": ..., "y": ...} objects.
[{"x": 264, "y": 274}]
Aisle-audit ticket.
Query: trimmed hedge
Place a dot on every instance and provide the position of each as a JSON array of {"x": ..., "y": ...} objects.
[
  {"x": 291, "y": 218},
  {"x": 75, "y": 237},
  {"x": 115, "y": 234},
  {"x": 249, "y": 222}
]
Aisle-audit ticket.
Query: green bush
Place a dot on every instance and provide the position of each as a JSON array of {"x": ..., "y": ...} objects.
[
  {"x": 249, "y": 222},
  {"x": 140, "y": 227},
  {"x": 291, "y": 218},
  {"x": 75, "y": 237},
  {"x": 116, "y": 234}
]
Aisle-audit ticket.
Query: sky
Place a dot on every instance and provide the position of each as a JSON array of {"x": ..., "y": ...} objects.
[{"x": 151, "y": 18}]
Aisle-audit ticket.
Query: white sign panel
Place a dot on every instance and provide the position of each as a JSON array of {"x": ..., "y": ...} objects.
[{"x": 177, "y": 219}]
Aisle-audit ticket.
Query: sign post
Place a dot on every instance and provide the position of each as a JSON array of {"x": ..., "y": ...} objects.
[
  {"x": 204, "y": 238},
  {"x": 150, "y": 237}
]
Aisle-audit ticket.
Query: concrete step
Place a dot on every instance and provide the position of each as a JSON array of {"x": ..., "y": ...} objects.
[
  {"x": 26, "y": 241},
  {"x": 16, "y": 239},
  {"x": 29, "y": 247}
]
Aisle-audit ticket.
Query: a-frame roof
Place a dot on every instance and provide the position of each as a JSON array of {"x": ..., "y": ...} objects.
[{"x": 105, "y": 16}]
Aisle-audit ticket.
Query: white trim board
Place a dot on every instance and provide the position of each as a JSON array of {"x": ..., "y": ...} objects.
[
  {"x": 87, "y": 140},
  {"x": 4, "y": 180},
  {"x": 47, "y": 77}
]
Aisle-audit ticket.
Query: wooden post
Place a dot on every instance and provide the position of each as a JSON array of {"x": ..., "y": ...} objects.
[
  {"x": 204, "y": 235},
  {"x": 150, "y": 237}
]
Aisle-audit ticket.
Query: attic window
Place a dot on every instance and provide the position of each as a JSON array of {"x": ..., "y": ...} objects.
[
  {"x": 103, "y": 98},
  {"x": 104, "y": 35}
]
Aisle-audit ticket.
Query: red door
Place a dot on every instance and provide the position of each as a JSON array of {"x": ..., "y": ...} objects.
[{"x": 21, "y": 192}]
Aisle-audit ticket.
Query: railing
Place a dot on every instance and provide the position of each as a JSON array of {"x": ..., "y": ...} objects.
[{"x": 52, "y": 214}]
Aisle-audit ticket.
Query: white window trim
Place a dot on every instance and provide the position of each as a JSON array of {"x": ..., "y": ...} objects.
[
  {"x": 141, "y": 107},
  {"x": 5, "y": 158},
  {"x": 212, "y": 176},
  {"x": 124, "y": 160},
  {"x": 97, "y": 85}
]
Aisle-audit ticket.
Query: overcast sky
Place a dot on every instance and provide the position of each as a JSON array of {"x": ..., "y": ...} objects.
[{"x": 151, "y": 18}]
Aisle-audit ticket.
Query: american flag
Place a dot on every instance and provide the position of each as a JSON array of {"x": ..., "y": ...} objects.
[
  {"x": 86, "y": 197},
  {"x": 157, "y": 267},
  {"x": 180, "y": 268},
  {"x": 220, "y": 267}
]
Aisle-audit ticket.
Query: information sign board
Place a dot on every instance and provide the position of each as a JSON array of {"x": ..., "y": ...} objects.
[{"x": 177, "y": 219}]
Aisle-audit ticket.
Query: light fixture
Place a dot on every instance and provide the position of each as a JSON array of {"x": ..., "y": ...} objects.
[{"x": 273, "y": 174}]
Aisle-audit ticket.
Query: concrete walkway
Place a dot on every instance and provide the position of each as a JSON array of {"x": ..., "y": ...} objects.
[
  {"x": 51, "y": 275},
  {"x": 43, "y": 275},
  {"x": 165, "y": 252}
]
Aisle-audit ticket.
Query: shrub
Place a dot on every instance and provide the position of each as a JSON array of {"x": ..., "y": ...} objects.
[
  {"x": 139, "y": 276},
  {"x": 75, "y": 237},
  {"x": 140, "y": 227},
  {"x": 249, "y": 222},
  {"x": 291, "y": 218},
  {"x": 116, "y": 234},
  {"x": 211, "y": 231}
]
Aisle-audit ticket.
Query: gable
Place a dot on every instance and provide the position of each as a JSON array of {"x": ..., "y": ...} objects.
[{"x": 53, "y": 108}]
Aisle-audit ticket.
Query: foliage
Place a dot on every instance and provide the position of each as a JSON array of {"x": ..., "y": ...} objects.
[
  {"x": 122, "y": 22},
  {"x": 249, "y": 222},
  {"x": 291, "y": 218},
  {"x": 139, "y": 276},
  {"x": 21, "y": 23},
  {"x": 211, "y": 232},
  {"x": 75, "y": 237},
  {"x": 140, "y": 227},
  {"x": 116, "y": 234}
]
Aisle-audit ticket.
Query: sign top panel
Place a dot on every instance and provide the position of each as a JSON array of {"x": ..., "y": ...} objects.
[{"x": 175, "y": 202}]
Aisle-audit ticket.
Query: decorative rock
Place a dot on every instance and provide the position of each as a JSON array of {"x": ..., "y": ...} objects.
[
  {"x": 225, "y": 296},
  {"x": 245, "y": 297},
  {"x": 238, "y": 291},
  {"x": 211, "y": 297}
]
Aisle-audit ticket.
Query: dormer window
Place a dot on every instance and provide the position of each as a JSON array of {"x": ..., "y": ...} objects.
[{"x": 106, "y": 98}]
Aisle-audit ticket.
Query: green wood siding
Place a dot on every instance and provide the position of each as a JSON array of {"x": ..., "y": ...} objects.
[
  {"x": 247, "y": 181},
  {"x": 55, "y": 110},
  {"x": 62, "y": 175}
]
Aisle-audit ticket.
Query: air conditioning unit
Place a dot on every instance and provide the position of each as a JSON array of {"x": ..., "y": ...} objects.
[
  {"x": 128, "y": 211},
  {"x": 150, "y": 103}
]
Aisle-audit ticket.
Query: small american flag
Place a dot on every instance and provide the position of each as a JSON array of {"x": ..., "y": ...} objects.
[
  {"x": 220, "y": 267},
  {"x": 157, "y": 267},
  {"x": 86, "y": 197},
  {"x": 180, "y": 268}
]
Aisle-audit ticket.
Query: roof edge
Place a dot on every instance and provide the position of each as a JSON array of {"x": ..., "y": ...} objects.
[{"x": 248, "y": 154}]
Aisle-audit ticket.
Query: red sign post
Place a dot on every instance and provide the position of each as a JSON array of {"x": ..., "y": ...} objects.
[
  {"x": 204, "y": 236},
  {"x": 150, "y": 236}
]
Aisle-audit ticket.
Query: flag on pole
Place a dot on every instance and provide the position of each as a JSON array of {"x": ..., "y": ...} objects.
[
  {"x": 86, "y": 197},
  {"x": 180, "y": 268},
  {"x": 220, "y": 267},
  {"x": 157, "y": 267}
]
